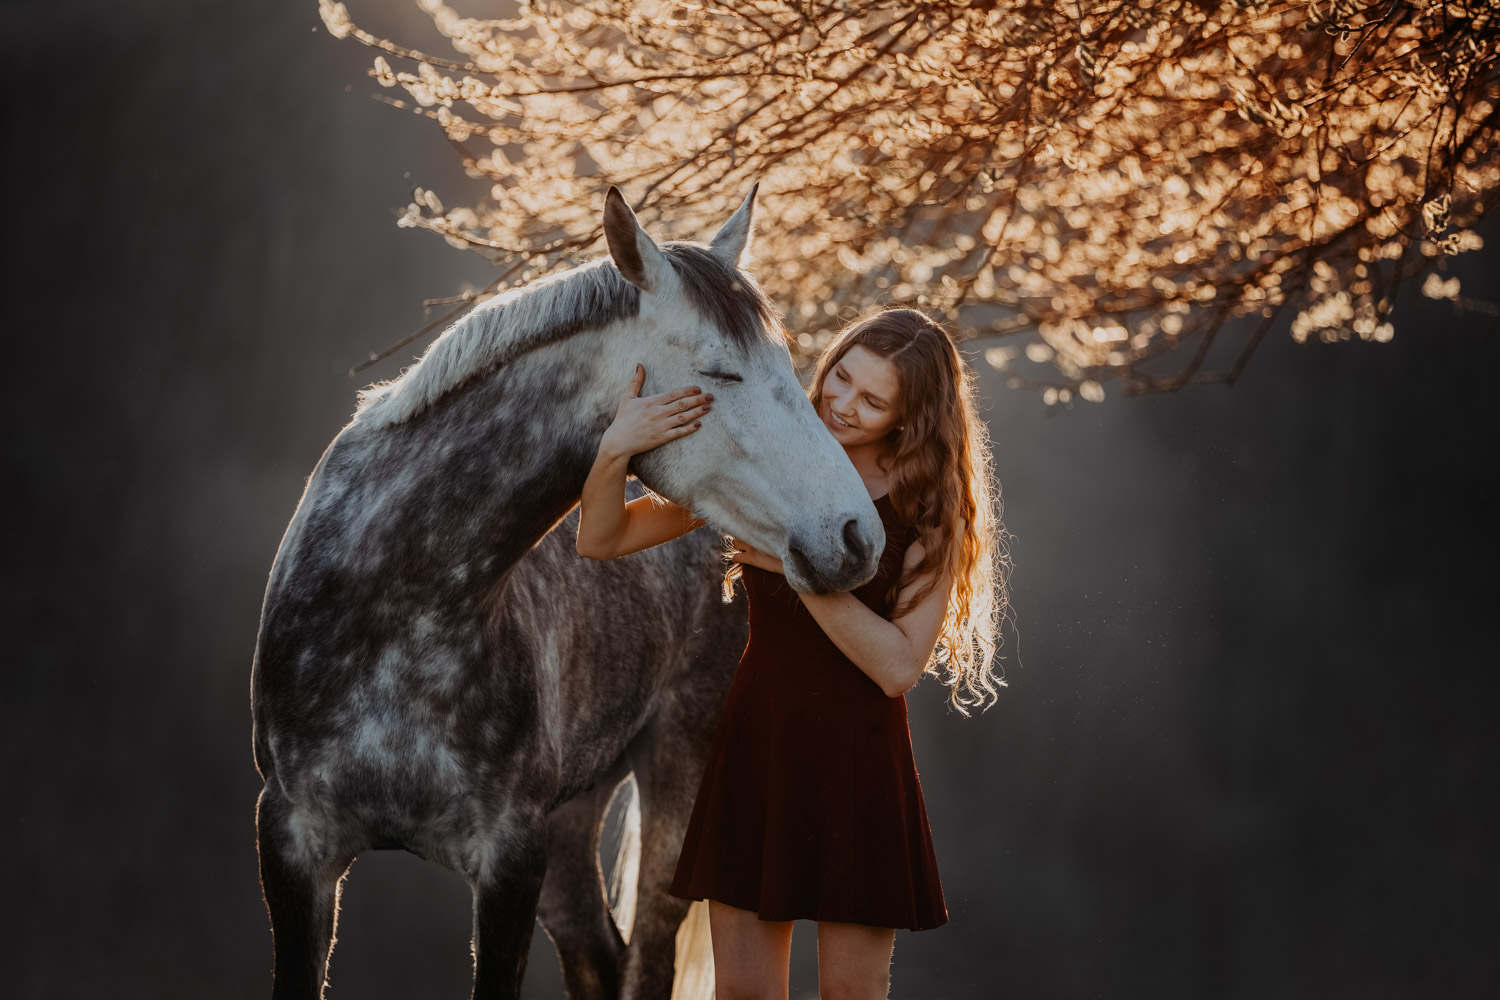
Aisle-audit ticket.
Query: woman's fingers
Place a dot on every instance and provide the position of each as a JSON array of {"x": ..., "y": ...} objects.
[
  {"x": 679, "y": 417},
  {"x": 672, "y": 425},
  {"x": 680, "y": 409},
  {"x": 682, "y": 399},
  {"x": 643, "y": 423},
  {"x": 686, "y": 408},
  {"x": 748, "y": 555}
]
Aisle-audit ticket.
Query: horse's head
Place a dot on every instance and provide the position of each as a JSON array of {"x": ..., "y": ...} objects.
[{"x": 763, "y": 466}]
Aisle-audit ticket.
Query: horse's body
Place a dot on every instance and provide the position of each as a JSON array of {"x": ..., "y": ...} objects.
[
  {"x": 651, "y": 669},
  {"x": 426, "y": 680}
]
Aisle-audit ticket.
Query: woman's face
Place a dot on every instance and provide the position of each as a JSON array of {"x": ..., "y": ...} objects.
[{"x": 861, "y": 397}]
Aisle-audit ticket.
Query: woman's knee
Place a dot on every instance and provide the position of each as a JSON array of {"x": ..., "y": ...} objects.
[
  {"x": 858, "y": 986},
  {"x": 747, "y": 991},
  {"x": 750, "y": 981}
]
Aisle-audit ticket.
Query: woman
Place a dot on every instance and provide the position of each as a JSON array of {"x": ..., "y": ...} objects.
[{"x": 809, "y": 806}]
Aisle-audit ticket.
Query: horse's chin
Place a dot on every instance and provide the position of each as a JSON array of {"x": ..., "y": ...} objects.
[
  {"x": 801, "y": 585},
  {"x": 805, "y": 579}
]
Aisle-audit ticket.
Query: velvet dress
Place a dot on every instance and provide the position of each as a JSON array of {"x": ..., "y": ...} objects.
[{"x": 809, "y": 806}]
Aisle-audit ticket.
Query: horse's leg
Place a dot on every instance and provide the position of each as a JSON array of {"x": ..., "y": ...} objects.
[
  {"x": 667, "y": 758},
  {"x": 302, "y": 898},
  {"x": 573, "y": 906},
  {"x": 505, "y": 900}
]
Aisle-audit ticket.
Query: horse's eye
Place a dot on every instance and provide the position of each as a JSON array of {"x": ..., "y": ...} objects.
[{"x": 723, "y": 376}]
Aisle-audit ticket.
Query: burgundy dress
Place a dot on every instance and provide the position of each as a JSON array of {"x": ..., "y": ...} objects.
[{"x": 810, "y": 807}]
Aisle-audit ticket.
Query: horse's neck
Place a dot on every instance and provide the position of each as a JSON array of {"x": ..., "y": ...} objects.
[{"x": 509, "y": 455}]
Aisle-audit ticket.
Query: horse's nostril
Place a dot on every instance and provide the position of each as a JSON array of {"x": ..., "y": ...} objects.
[
  {"x": 798, "y": 558},
  {"x": 855, "y": 541}
]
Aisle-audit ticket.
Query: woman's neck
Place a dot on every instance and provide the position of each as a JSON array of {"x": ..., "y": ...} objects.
[{"x": 872, "y": 461}]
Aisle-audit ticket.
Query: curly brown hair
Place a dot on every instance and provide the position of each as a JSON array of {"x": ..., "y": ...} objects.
[{"x": 941, "y": 482}]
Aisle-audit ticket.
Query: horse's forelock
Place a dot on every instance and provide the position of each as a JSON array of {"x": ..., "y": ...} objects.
[{"x": 724, "y": 295}]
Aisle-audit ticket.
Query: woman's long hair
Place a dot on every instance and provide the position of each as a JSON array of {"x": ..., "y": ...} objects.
[{"x": 940, "y": 481}]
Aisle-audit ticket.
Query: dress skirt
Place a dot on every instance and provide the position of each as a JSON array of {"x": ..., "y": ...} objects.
[{"x": 809, "y": 806}]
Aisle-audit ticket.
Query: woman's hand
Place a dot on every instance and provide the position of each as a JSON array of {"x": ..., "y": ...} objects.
[
  {"x": 748, "y": 555},
  {"x": 643, "y": 423}
]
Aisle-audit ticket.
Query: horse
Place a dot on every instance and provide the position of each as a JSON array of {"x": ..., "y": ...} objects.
[{"x": 428, "y": 677}]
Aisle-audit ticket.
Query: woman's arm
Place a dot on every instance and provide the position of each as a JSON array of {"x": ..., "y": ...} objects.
[
  {"x": 892, "y": 652},
  {"x": 607, "y": 525}
]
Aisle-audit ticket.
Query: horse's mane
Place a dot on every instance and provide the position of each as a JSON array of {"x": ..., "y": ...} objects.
[
  {"x": 503, "y": 328},
  {"x": 590, "y": 296}
]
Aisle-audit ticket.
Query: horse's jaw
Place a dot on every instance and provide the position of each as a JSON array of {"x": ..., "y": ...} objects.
[{"x": 781, "y": 483}]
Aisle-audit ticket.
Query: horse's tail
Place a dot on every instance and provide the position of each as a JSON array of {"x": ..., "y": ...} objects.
[
  {"x": 695, "y": 956},
  {"x": 694, "y": 978},
  {"x": 624, "y": 883}
]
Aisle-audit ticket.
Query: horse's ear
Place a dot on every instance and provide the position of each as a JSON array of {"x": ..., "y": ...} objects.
[
  {"x": 733, "y": 239},
  {"x": 637, "y": 256}
]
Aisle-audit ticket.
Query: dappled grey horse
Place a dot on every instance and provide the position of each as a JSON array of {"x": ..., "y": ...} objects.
[{"x": 428, "y": 677}]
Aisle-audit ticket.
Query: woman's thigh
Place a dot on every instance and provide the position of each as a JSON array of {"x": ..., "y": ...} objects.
[
  {"x": 750, "y": 954},
  {"x": 854, "y": 961}
]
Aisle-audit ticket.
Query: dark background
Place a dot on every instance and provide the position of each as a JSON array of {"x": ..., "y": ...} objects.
[{"x": 1245, "y": 751}]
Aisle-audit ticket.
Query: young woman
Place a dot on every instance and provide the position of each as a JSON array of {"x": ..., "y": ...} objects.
[{"x": 809, "y": 806}]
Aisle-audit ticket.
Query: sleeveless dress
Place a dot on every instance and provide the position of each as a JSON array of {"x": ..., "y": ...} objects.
[{"x": 809, "y": 806}]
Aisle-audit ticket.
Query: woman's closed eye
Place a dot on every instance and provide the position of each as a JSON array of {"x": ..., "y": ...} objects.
[
  {"x": 722, "y": 376},
  {"x": 871, "y": 403}
]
